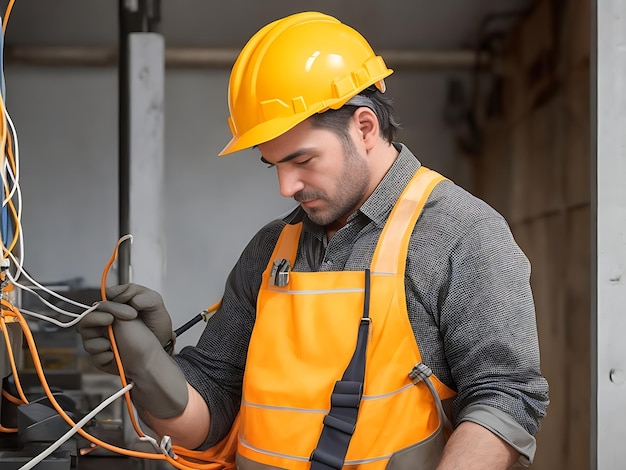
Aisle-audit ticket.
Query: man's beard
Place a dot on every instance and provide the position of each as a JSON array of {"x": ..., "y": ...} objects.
[{"x": 349, "y": 188}]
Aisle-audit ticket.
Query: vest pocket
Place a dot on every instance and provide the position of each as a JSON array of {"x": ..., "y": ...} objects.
[{"x": 424, "y": 455}]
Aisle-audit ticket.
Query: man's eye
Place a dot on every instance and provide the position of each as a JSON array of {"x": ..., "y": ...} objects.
[
  {"x": 270, "y": 165},
  {"x": 304, "y": 162}
]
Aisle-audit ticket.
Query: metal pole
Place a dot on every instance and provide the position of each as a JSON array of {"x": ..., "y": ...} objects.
[{"x": 134, "y": 16}]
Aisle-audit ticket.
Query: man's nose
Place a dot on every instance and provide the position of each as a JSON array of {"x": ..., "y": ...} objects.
[{"x": 289, "y": 182}]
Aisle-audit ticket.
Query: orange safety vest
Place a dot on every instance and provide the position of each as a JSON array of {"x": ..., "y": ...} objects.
[{"x": 305, "y": 335}]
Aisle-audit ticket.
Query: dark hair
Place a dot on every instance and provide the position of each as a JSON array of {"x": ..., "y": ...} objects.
[{"x": 337, "y": 119}]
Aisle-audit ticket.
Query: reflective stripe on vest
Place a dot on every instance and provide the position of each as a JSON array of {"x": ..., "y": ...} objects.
[{"x": 304, "y": 337}]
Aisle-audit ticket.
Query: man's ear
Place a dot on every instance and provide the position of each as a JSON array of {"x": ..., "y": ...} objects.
[{"x": 366, "y": 123}]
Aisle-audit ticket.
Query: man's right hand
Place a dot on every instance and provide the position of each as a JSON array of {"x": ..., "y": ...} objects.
[
  {"x": 93, "y": 330},
  {"x": 141, "y": 327},
  {"x": 145, "y": 303}
]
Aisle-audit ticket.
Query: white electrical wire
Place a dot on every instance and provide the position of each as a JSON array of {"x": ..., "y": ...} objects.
[
  {"x": 16, "y": 147},
  {"x": 11, "y": 180},
  {"x": 56, "y": 322},
  {"x": 52, "y": 306},
  {"x": 8, "y": 178},
  {"x": 9, "y": 170},
  {"x": 15, "y": 191},
  {"x": 77, "y": 316},
  {"x": 76, "y": 427},
  {"x": 19, "y": 262},
  {"x": 36, "y": 286},
  {"x": 15, "y": 177}
]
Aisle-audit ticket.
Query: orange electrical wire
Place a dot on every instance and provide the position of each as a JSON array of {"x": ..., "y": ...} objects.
[
  {"x": 114, "y": 348},
  {"x": 10, "y": 310},
  {"x": 7, "y": 13},
  {"x": 6, "y": 143},
  {"x": 3, "y": 145},
  {"x": 8, "y": 430},
  {"x": 9, "y": 147},
  {"x": 11, "y": 398},
  {"x": 15, "y": 218},
  {"x": 178, "y": 463},
  {"x": 6, "y": 148},
  {"x": 7, "y": 340},
  {"x": 7, "y": 395},
  {"x": 215, "y": 463}
]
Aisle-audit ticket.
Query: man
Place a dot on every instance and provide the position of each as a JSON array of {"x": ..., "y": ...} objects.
[{"x": 348, "y": 326}]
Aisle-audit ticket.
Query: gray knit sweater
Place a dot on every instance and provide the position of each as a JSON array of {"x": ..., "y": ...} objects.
[{"x": 468, "y": 297}]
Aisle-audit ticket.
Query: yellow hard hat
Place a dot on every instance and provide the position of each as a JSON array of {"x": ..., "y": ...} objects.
[{"x": 293, "y": 68}]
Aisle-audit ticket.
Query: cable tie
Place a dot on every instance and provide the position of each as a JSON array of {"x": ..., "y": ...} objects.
[
  {"x": 152, "y": 441},
  {"x": 420, "y": 372},
  {"x": 166, "y": 446}
]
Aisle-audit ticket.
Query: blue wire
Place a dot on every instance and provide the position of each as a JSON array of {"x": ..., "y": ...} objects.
[
  {"x": 2, "y": 84},
  {"x": 6, "y": 229}
]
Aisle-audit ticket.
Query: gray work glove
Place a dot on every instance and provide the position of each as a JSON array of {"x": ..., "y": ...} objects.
[{"x": 142, "y": 327}]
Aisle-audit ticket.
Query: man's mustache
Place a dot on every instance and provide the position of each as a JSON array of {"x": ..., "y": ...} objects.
[{"x": 308, "y": 195}]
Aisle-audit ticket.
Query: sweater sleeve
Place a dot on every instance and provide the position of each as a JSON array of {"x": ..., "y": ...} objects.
[{"x": 490, "y": 337}]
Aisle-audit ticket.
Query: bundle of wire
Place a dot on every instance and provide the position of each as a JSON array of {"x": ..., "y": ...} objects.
[{"x": 12, "y": 271}]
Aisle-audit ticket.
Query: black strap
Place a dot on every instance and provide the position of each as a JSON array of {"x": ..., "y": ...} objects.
[{"x": 340, "y": 422}]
